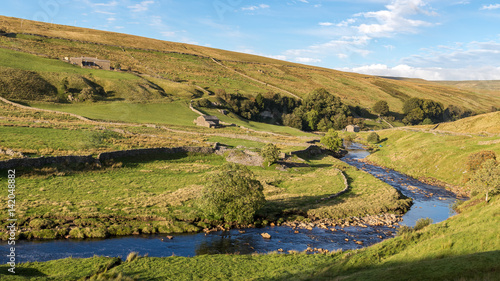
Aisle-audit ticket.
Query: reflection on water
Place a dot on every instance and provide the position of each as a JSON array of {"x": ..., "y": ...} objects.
[{"x": 429, "y": 201}]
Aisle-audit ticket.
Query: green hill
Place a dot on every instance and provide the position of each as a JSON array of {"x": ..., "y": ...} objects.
[{"x": 158, "y": 69}]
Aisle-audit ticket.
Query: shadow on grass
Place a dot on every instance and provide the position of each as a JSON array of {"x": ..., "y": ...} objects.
[
  {"x": 299, "y": 205},
  {"x": 20, "y": 271},
  {"x": 439, "y": 267}
]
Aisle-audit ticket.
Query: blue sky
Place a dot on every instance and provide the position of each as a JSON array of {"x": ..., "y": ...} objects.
[{"x": 430, "y": 39}]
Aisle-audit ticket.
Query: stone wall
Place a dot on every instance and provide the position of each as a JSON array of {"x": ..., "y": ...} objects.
[
  {"x": 103, "y": 157},
  {"x": 46, "y": 161}
]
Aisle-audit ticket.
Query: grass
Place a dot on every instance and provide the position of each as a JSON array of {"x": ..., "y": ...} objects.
[
  {"x": 480, "y": 124},
  {"x": 464, "y": 247},
  {"x": 424, "y": 154},
  {"x": 148, "y": 195},
  {"x": 173, "y": 113}
]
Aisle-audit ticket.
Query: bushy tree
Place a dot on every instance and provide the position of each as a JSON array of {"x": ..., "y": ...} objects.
[
  {"x": 475, "y": 161},
  {"x": 331, "y": 140},
  {"x": 232, "y": 194},
  {"x": 321, "y": 105},
  {"x": 417, "y": 110},
  {"x": 271, "y": 153},
  {"x": 381, "y": 107},
  {"x": 373, "y": 138},
  {"x": 487, "y": 178}
]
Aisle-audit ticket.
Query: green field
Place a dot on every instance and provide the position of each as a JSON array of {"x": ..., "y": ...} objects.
[
  {"x": 160, "y": 195},
  {"x": 173, "y": 113}
]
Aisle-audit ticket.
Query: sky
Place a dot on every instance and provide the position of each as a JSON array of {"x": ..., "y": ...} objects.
[{"x": 428, "y": 39}]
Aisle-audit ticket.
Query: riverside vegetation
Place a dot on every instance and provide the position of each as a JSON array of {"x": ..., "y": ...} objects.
[{"x": 161, "y": 194}]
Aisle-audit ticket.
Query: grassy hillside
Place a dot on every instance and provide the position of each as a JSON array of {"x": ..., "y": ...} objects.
[
  {"x": 464, "y": 247},
  {"x": 430, "y": 155},
  {"x": 176, "y": 68},
  {"x": 481, "y": 124}
]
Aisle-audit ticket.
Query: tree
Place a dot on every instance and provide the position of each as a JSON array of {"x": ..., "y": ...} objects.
[
  {"x": 232, "y": 194},
  {"x": 271, "y": 153},
  {"x": 381, "y": 107},
  {"x": 475, "y": 162},
  {"x": 373, "y": 138},
  {"x": 487, "y": 178},
  {"x": 332, "y": 140}
]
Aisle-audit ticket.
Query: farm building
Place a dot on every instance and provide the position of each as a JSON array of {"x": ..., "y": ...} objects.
[
  {"x": 207, "y": 121},
  {"x": 91, "y": 63},
  {"x": 352, "y": 128}
]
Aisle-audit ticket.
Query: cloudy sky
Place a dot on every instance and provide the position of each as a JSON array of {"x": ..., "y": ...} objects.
[{"x": 430, "y": 39}]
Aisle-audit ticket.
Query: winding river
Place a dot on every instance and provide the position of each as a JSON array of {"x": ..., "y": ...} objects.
[{"x": 429, "y": 201}]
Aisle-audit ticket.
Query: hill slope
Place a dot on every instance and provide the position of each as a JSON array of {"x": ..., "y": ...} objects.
[{"x": 186, "y": 66}]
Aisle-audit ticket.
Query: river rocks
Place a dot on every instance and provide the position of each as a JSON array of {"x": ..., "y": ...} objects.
[
  {"x": 374, "y": 220},
  {"x": 265, "y": 235}
]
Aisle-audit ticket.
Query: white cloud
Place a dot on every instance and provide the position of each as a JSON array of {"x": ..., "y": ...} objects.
[
  {"x": 326, "y": 23},
  {"x": 346, "y": 22},
  {"x": 141, "y": 7},
  {"x": 105, "y": 13},
  {"x": 473, "y": 54},
  {"x": 490, "y": 7},
  {"x": 395, "y": 19},
  {"x": 110, "y": 4},
  {"x": 429, "y": 73},
  {"x": 341, "y": 47},
  {"x": 307, "y": 60},
  {"x": 168, "y": 33},
  {"x": 253, "y": 8}
]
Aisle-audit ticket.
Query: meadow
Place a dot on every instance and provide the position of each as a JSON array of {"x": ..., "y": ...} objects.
[{"x": 160, "y": 195}]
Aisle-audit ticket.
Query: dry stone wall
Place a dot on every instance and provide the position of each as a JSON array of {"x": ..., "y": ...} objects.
[{"x": 103, "y": 157}]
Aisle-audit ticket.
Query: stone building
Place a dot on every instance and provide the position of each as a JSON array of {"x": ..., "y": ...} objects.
[
  {"x": 207, "y": 121},
  {"x": 91, "y": 63},
  {"x": 352, "y": 128}
]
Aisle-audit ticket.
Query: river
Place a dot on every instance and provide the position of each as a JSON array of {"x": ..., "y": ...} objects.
[{"x": 429, "y": 201}]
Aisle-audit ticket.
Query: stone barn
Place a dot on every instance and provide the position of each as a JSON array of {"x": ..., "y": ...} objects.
[
  {"x": 91, "y": 63},
  {"x": 352, "y": 128},
  {"x": 207, "y": 121}
]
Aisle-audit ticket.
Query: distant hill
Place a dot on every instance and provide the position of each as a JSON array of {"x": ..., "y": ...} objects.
[{"x": 157, "y": 69}]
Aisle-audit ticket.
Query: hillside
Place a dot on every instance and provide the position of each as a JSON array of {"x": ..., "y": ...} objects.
[
  {"x": 482, "y": 124},
  {"x": 158, "y": 69}
]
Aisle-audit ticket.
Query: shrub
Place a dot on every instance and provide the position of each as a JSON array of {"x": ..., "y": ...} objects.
[
  {"x": 271, "y": 153},
  {"x": 232, "y": 194},
  {"x": 373, "y": 138},
  {"x": 77, "y": 233},
  {"x": 41, "y": 223},
  {"x": 132, "y": 256},
  {"x": 475, "y": 160},
  {"x": 381, "y": 107},
  {"x": 487, "y": 178},
  {"x": 331, "y": 140},
  {"x": 421, "y": 223}
]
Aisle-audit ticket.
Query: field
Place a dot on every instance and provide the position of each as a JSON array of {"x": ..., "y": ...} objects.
[
  {"x": 160, "y": 195},
  {"x": 456, "y": 249}
]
